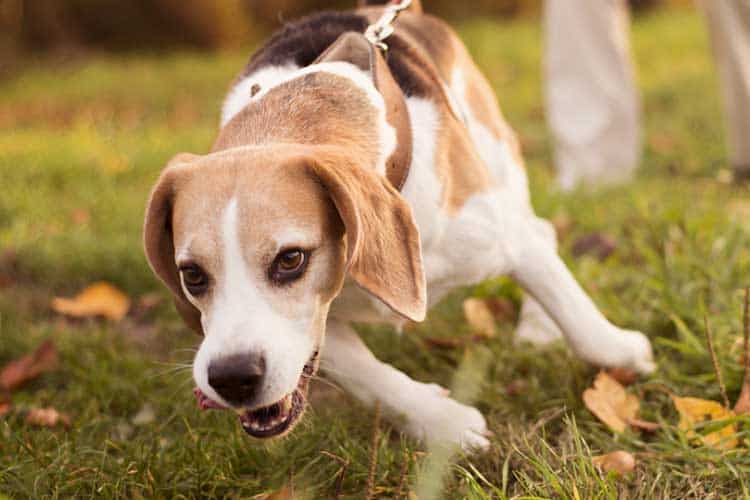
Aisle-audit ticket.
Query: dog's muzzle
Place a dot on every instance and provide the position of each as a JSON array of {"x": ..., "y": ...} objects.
[{"x": 272, "y": 420}]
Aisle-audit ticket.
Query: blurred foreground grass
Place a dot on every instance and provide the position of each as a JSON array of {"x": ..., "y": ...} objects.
[{"x": 80, "y": 147}]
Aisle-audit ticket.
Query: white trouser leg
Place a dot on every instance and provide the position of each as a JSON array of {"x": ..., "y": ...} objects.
[
  {"x": 729, "y": 26},
  {"x": 423, "y": 410},
  {"x": 593, "y": 106}
]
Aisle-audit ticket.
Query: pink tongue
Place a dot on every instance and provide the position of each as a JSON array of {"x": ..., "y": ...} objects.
[{"x": 206, "y": 403}]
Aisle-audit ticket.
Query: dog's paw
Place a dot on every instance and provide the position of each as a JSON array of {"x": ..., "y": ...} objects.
[
  {"x": 640, "y": 354},
  {"x": 440, "y": 420}
]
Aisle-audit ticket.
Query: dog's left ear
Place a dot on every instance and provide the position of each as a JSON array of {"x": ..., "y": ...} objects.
[
  {"x": 158, "y": 239},
  {"x": 384, "y": 254}
]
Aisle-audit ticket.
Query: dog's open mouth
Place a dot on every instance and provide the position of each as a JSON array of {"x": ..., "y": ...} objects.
[{"x": 275, "y": 419}]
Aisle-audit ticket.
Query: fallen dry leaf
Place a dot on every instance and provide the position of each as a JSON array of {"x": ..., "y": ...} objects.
[
  {"x": 623, "y": 375},
  {"x": 619, "y": 461},
  {"x": 502, "y": 309},
  {"x": 479, "y": 316},
  {"x": 610, "y": 403},
  {"x": 644, "y": 425},
  {"x": 99, "y": 299},
  {"x": 47, "y": 417},
  {"x": 599, "y": 245},
  {"x": 5, "y": 404},
  {"x": 695, "y": 411},
  {"x": 516, "y": 387},
  {"x": 18, "y": 372},
  {"x": 285, "y": 493}
]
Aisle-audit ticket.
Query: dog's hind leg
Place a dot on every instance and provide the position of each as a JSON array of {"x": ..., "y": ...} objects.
[
  {"x": 543, "y": 274},
  {"x": 422, "y": 410},
  {"x": 535, "y": 325}
]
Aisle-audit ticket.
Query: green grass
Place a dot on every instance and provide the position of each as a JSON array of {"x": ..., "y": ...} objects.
[{"x": 92, "y": 136}]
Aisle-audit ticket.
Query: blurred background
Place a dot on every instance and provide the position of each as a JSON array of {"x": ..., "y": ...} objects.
[
  {"x": 97, "y": 95},
  {"x": 37, "y": 26}
]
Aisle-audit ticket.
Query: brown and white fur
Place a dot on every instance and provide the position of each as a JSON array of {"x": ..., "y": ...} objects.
[{"x": 299, "y": 163}]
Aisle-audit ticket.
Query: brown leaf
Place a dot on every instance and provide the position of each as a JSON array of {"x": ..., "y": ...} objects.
[
  {"x": 619, "y": 461},
  {"x": 599, "y": 245},
  {"x": 479, "y": 316},
  {"x": 623, "y": 375},
  {"x": 5, "y": 404},
  {"x": 18, "y": 372},
  {"x": 610, "y": 403},
  {"x": 502, "y": 309},
  {"x": 47, "y": 417},
  {"x": 99, "y": 299},
  {"x": 695, "y": 411},
  {"x": 285, "y": 493},
  {"x": 644, "y": 425},
  {"x": 516, "y": 387}
]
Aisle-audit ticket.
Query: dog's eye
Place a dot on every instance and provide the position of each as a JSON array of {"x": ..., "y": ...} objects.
[
  {"x": 195, "y": 279},
  {"x": 288, "y": 265}
]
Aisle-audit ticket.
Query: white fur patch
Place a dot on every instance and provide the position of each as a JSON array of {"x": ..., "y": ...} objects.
[{"x": 240, "y": 95}]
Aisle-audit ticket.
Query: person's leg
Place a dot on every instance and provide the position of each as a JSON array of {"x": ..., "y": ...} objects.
[
  {"x": 729, "y": 26},
  {"x": 593, "y": 106}
]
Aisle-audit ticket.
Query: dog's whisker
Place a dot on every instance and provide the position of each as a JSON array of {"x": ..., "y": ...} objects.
[
  {"x": 169, "y": 371},
  {"x": 325, "y": 381}
]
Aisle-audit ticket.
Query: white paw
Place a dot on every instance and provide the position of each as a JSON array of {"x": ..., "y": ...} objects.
[
  {"x": 438, "y": 419},
  {"x": 640, "y": 355}
]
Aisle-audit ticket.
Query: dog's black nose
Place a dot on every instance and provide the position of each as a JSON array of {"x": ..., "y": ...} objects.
[{"x": 237, "y": 378}]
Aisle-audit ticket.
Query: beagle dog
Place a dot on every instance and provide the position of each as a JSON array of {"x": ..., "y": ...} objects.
[{"x": 348, "y": 185}]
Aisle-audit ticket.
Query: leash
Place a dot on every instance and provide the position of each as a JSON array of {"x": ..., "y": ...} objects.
[{"x": 380, "y": 30}]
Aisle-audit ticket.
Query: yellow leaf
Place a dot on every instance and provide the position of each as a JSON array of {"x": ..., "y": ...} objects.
[
  {"x": 610, "y": 403},
  {"x": 99, "y": 299},
  {"x": 695, "y": 411},
  {"x": 619, "y": 461},
  {"x": 479, "y": 316}
]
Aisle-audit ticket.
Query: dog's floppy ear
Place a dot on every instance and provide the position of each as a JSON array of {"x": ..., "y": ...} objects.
[
  {"x": 383, "y": 249},
  {"x": 158, "y": 242}
]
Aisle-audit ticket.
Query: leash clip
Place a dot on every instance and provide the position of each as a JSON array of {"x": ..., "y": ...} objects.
[{"x": 381, "y": 29}]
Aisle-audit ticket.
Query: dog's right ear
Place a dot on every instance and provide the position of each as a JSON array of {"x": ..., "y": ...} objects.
[{"x": 158, "y": 238}]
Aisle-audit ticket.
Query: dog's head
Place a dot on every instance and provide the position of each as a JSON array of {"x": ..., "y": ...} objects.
[{"x": 255, "y": 243}]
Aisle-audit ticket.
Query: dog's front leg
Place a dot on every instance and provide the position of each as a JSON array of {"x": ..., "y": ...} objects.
[
  {"x": 422, "y": 410},
  {"x": 591, "y": 336}
]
